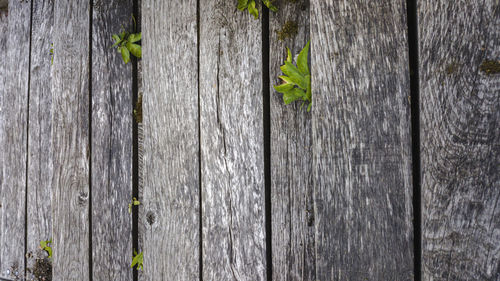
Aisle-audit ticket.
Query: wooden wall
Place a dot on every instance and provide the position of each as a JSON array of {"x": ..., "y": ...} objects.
[{"x": 393, "y": 175}]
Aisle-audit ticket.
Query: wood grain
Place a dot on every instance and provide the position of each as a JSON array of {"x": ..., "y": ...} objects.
[
  {"x": 232, "y": 149},
  {"x": 291, "y": 157},
  {"x": 4, "y": 26},
  {"x": 13, "y": 125},
  {"x": 170, "y": 210},
  {"x": 70, "y": 139},
  {"x": 361, "y": 140},
  {"x": 460, "y": 138},
  {"x": 40, "y": 169},
  {"x": 111, "y": 162}
]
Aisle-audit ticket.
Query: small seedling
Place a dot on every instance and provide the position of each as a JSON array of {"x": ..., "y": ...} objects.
[
  {"x": 137, "y": 260},
  {"x": 125, "y": 43},
  {"x": 44, "y": 245},
  {"x": 297, "y": 79},
  {"x": 252, "y": 9},
  {"x": 135, "y": 202},
  {"x": 52, "y": 54}
]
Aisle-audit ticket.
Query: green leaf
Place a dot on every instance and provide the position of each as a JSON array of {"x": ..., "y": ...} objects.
[
  {"x": 135, "y": 49},
  {"x": 294, "y": 74},
  {"x": 122, "y": 35},
  {"x": 270, "y": 5},
  {"x": 137, "y": 260},
  {"x": 302, "y": 60},
  {"x": 242, "y": 4},
  {"x": 287, "y": 80},
  {"x": 293, "y": 95},
  {"x": 285, "y": 87},
  {"x": 125, "y": 54},
  {"x": 134, "y": 37},
  {"x": 309, "y": 107},
  {"x": 308, "y": 92},
  {"x": 289, "y": 56},
  {"x": 252, "y": 9},
  {"x": 116, "y": 37}
]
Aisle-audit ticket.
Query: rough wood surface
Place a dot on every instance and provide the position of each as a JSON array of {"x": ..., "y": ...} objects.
[
  {"x": 13, "y": 125},
  {"x": 4, "y": 24},
  {"x": 111, "y": 144},
  {"x": 170, "y": 117},
  {"x": 291, "y": 156},
  {"x": 232, "y": 149},
  {"x": 70, "y": 139},
  {"x": 361, "y": 140},
  {"x": 460, "y": 136},
  {"x": 39, "y": 192}
]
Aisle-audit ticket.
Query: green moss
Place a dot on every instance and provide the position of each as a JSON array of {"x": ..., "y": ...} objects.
[
  {"x": 490, "y": 67},
  {"x": 452, "y": 68},
  {"x": 289, "y": 30}
]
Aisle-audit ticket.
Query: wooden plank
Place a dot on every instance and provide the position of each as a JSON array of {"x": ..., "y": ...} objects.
[
  {"x": 39, "y": 192},
  {"x": 13, "y": 125},
  {"x": 170, "y": 115},
  {"x": 460, "y": 138},
  {"x": 291, "y": 155},
  {"x": 232, "y": 149},
  {"x": 70, "y": 139},
  {"x": 361, "y": 139},
  {"x": 111, "y": 144}
]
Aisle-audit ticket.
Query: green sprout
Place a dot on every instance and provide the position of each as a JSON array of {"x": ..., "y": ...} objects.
[
  {"x": 135, "y": 202},
  {"x": 125, "y": 43},
  {"x": 52, "y": 54},
  {"x": 297, "y": 79},
  {"x": 137, "y": 259},
  {"x": 44, "y": 245},
  {"x": 252, "y": 9}
]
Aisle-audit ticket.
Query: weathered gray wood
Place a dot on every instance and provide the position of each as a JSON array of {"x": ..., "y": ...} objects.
[
  {"x": 111, "y": 144},
  {"x": 70, "y": 139},
  {"x": 39, "y": 191},
  {"x": 170, "y": 116},
  {"x": 232, "y": 150},
  {"x": 460, "y": 136},
  {"x": 4, "y": 24},
  {"x": 361, "y": 144},
  {"x": 13, "y": 125},
  {"x": 291, "y": 156}
]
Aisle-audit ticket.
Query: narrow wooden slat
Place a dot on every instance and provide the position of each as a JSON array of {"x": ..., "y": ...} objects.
[
  {"x": 4, "y": 24},
  {"x": 111, "y": 144},
  {"x": 39, "y": 221},
  {"x": 460, "y": 136},
  {"x": 70, "y": 139},
  {"x": 231, "y": 143},
  {"x": 13, "y": 125},
  {"x": 361, "y": 144},
  {"x": 291, "y": 154},
  {"x": 170, "y": 210}
]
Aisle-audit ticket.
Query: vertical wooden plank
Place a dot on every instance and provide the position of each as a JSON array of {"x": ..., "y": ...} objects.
[
  {"x": 39, "y": 192},
  {"x": 232, "y": 147},
  {"x": 111, "y": 144},
  {"x": 460, "y": 136},
  {"x": 13, "y": 125},
  {"x": 291, "y": 154},
  {"x": 70, "y": 138},
  {"x": 170, "y": 116},
  {"x": 361, "y": 164}
]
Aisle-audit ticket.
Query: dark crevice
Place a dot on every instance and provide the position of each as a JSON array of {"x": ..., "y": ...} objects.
[
  {"x": 415, "y": 134},
  {"x": 27, "y": 145},
  {"x": 267, "y": 140},
  {"x": 200, "y": 190},
  {"x": 91, "y": 269},
  {"x": 135, "y": 146}
]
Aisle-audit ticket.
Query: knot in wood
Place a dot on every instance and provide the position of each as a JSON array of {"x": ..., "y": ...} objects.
[
  {"x": 82, "y": 198},
  {"x": 150, "y": 217}
]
